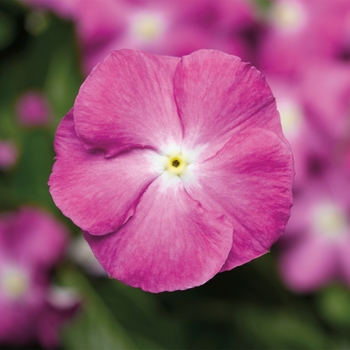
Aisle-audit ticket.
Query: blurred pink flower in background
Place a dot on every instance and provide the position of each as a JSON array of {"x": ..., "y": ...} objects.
[
  {"x": 31, "y": 244},
  {"x": 303, "y": 30},
  {"x": 315, "y": 249},
  {"x": 163, "y": 27},
  {"x": 8, "y": 154},
  {"x": 295, "y": 126},
  {"x": 177, "y": 169},
  {"x": 160, "y": 27},
  {"x": 316, "y": 245},
  {"x": 327, "y": 100},
  {"x": 33, "y": 110}
]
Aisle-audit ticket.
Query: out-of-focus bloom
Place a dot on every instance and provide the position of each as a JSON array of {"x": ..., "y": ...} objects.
[
  {"x": 8, "y": 154},
  {"x": 327, "y": 106},
  {"x": 33, "y": 110},
  {"x": 160, "y": 27},
  {"x": 310, "y": 155},
  {"x": 176, "y": 168},
  {"x": 316, "y": 246},
  {"x": 304, "y": 29},
  {"x": 293, "y": 122},
  {"x": 164, "y": 27},
  {"x": 31, "y": 243},
  {"x": 327, "y": 100},
  {"x": 288, "y": 33}
]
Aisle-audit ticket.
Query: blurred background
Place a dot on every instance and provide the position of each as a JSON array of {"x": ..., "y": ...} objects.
[{"x": 54, "y": 295}]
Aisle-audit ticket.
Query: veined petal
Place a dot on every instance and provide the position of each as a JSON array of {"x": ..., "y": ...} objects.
[
  {"x": 218, "y": 95},
  {"x": 98, "y": 194},
  {"x": 128, "y": 101},
  {"x": 249, "y": 181},
  {"x": 170, "y": 243}
]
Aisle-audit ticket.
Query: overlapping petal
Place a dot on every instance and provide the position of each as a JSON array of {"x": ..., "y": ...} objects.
[
  {"x": 127, "y": 101},
  {"x": 99, "y": 194},
  {"x": 217, "y": 95},
  {"x": 249, "y": 181},
  {"x": 170, "y": 243}
]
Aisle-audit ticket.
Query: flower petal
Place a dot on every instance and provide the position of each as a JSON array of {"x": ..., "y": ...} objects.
[
  {"x": 99, "y": 194},
  {"x": 170, "y": 243},
  {"x": 218, "y": 95},
  {"x": 250, "y": 182},
  {"x": 128, "y": 101}
]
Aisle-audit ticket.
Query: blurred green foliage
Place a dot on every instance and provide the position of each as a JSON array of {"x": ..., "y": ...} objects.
[{"x": 247, "y": 308}]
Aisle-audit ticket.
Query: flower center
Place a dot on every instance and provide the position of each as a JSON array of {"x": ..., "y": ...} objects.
[
  {"x": 176, "y": 164},
  {"x": 14, "y": 282},
  {"x": 291, "y": 118},
  {"x": 330, "y": 220},
  {"x": 147, "y": 27},
  {"x": 288, "y": 15}
]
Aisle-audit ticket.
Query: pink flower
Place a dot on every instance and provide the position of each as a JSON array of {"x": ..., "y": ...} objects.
[
  {"x": 31, "y": 243},
  {"x": 33, "y": 109},
  {"x": 176, "y": 168},
  {"x": 8, "y": 154},
  {"x": 316, "y": 246}
]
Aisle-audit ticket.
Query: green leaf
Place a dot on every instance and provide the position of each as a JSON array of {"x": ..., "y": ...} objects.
[
  {"x": 279, "y": 328},
  {"x": 334, "y": 306}
]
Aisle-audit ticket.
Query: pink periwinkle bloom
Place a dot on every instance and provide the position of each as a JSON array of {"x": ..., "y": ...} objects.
[
  {"x": 8, "y": 154},
  {"x": 31, "y": 244},
  {"x": 175, "y": 168},
  {"x": 33, "y": 109},
  {"x": 315, "y": 249}
]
